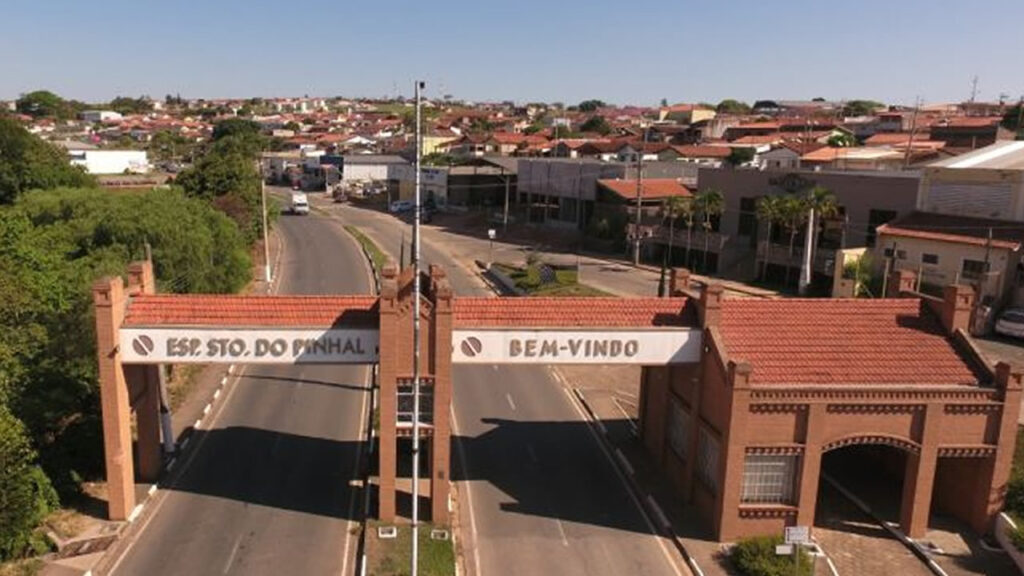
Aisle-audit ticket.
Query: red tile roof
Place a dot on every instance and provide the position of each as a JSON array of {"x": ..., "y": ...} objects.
[
  {"x": 703, "y": 151},
  {"x": 239, "y": 311},
  {"x": 1006, "y": 234},
  {"x": 572, "y": 312},
  {"x": 843, "y": 341},
  {"x": 653, "y": 188}
]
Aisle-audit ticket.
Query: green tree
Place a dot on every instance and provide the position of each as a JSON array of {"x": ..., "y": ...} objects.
[
  {"x": 739, "y": 156},
  {"x": 44, "y": 104},
  {"x": 672, "y": 208},
  {"x": 842, "y": 140},
  {"x": 730, "y": 106},
  {"x": 769, "y": 211},
  {"x": 26, "y": 496},
  {"x": 710, "y": 204},
  {"x": 26, "y": 162},
  {"x": 664, "y": 102},
  {"x": 861, "y": 107},
  {"x": 293, "y": 126},
  {"x": 757, "y": 557},
  {"x": 596, "y": 124},
  {"x": 822, "y": 206},
  {"x": 793, "y": 211},
  {"x": 1012, "y": 119},
  {"x": 226, "y": 175},
  {"x": 590, "y": 105},
  {"x": 127, "y": 105}
]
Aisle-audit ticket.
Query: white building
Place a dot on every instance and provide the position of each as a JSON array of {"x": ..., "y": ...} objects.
[
  {"x": 100, "y": 115},
  {"x": 368, "y": 167},
  {"x": 984, "y": 183},
  {"x": 111, "y": 161}
]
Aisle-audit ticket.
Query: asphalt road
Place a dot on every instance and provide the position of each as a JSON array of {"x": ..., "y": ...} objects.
[
  {"x": 543, "y": 497},
  {"x": 264, "y": 486}
]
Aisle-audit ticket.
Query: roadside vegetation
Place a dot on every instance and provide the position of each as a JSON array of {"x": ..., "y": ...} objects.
[
  {"x": 757, "y": 557},
  {"x": 58, "y": 234},
  {"x": 534, "y": 281},
  {"x": 1015, "y": 492},
  {"x": 393, "y": 557},
  {"x": 378, "y": 258}
]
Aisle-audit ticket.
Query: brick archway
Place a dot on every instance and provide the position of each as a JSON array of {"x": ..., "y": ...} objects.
[{"x": 904, "y": 444}]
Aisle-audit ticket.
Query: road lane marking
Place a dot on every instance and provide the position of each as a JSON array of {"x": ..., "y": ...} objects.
[
  {"x": 625, "y": 484},
  {"x": 231, "y": 558},
  {"x": 355, "y": 470},
  {"x": 510, "y": 402},
  {"x": 461, "y": 451},
  {"x": 561, "y": 532}
]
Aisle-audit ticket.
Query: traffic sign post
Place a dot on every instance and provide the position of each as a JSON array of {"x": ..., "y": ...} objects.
[{"x": 795, "y": 537}]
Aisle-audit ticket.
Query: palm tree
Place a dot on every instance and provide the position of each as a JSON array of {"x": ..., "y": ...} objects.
[
  {"x": 821, "y": 205},
  {"x": 673, "y": 207},
  {"x": 689, "y": 213},
  {"x": 793, "y": 215},
  {"x": 769, "y": 211},
  {"x": 710, "y": 203}
]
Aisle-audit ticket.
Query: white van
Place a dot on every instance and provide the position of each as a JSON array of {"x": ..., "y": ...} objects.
[{"x": 300, "y": 205}]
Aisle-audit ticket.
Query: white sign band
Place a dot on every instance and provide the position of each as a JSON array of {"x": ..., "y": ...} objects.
[
  {"x": 653, "y": 347},
  {"x": 261, "y": 346}
]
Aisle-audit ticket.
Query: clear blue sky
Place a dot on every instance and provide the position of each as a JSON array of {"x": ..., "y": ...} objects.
[{"x": 554, "y": 50}]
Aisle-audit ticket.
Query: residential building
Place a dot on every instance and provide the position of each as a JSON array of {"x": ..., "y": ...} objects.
[
  {"x": 969, "y": 133},
  {"x": 685, "y": 113},
  {"x": 943, "y": 249},
  {"x": 986, "y": 183},
  {"x": 100, "y": 116},
  {"x": 781, "y": 158},
  {"x": 111, "y": 161}
]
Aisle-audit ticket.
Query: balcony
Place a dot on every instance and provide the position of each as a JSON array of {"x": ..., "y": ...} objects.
[{"x": 660, "y": 234}]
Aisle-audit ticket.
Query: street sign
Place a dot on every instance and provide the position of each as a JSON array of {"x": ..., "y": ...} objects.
[
  {"x": 798, "y": 534},
  {"x": 492, "y": 233},
  {"x": 783, "y": 549}
]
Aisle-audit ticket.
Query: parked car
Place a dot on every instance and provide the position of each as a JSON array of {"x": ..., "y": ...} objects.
[
  {"x": 1010, "y": 322},
  {"x": 300, "y": 204},
  {"x": 399, "y": 206}
]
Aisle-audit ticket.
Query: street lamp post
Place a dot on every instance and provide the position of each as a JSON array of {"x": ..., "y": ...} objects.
[
  {"x": 416, "y": 350},
  {"x": 266, "y": 244}
]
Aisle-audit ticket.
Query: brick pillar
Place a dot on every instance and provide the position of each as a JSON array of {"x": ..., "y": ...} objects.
[
  {"x": 144, "y": 382},
  {"x": 387, "y": 448},
  {"x": 919, "y": 478},
  {"x": 810, "y": 468},
  {"x": 957, "y": 305},
  {"x": 989, "y": 499},
  {"x": 441, "y": 361},
  {"x": 904, "y": 281},
  {"x": 710, "y": 305},
  {"x": 733, "y": 451},
  {"x": 109, "y": 302}
]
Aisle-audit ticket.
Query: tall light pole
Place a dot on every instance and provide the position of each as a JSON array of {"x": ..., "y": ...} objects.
[
  {"x": 416, "y": 349},
  {"x": 266, "y": 244},
  {"x": 639, "y": 198}
]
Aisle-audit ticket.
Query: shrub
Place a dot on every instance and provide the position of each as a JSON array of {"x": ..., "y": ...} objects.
[
  {"x": 756, "y": 557},
  {"x": 26, "y": 495}
]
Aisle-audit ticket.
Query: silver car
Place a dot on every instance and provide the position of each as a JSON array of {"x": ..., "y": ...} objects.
[{"x": 1011, "y": 322}]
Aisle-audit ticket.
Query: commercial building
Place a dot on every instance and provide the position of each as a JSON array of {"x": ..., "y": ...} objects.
[
  {"x": 986, "y": 183},
  {"x": 100, "y": 116},
  {"x": 865, "y": 200},
  {"x": 361, "y": 168},
  {"x": 111, "y": 161}
]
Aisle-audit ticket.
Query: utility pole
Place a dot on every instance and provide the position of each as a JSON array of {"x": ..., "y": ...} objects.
[
  {"x": 504, "y": 217},
  {"x": 805, "y": 270},
  {"x": 416, "y": 291},
  {"x": 266, "y": 244},
  {"x": 913, "y": 129},
  {"x": 639, "y": 199}
]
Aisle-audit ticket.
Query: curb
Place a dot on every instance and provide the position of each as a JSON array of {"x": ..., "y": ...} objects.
[{"x": 651, "y": 506}]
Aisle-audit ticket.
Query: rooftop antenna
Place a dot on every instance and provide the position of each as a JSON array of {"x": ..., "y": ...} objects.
[{"x": 974, "y": 88}]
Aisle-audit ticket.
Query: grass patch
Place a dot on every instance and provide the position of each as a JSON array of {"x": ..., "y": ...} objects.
[
  {"x": 28, "y": 567},
  {"x": 393, "y": 557},
  {"x": 565, "y": 284},
  {"x": 182, "y": 379},
  {"x": 378, "y": 258}
]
